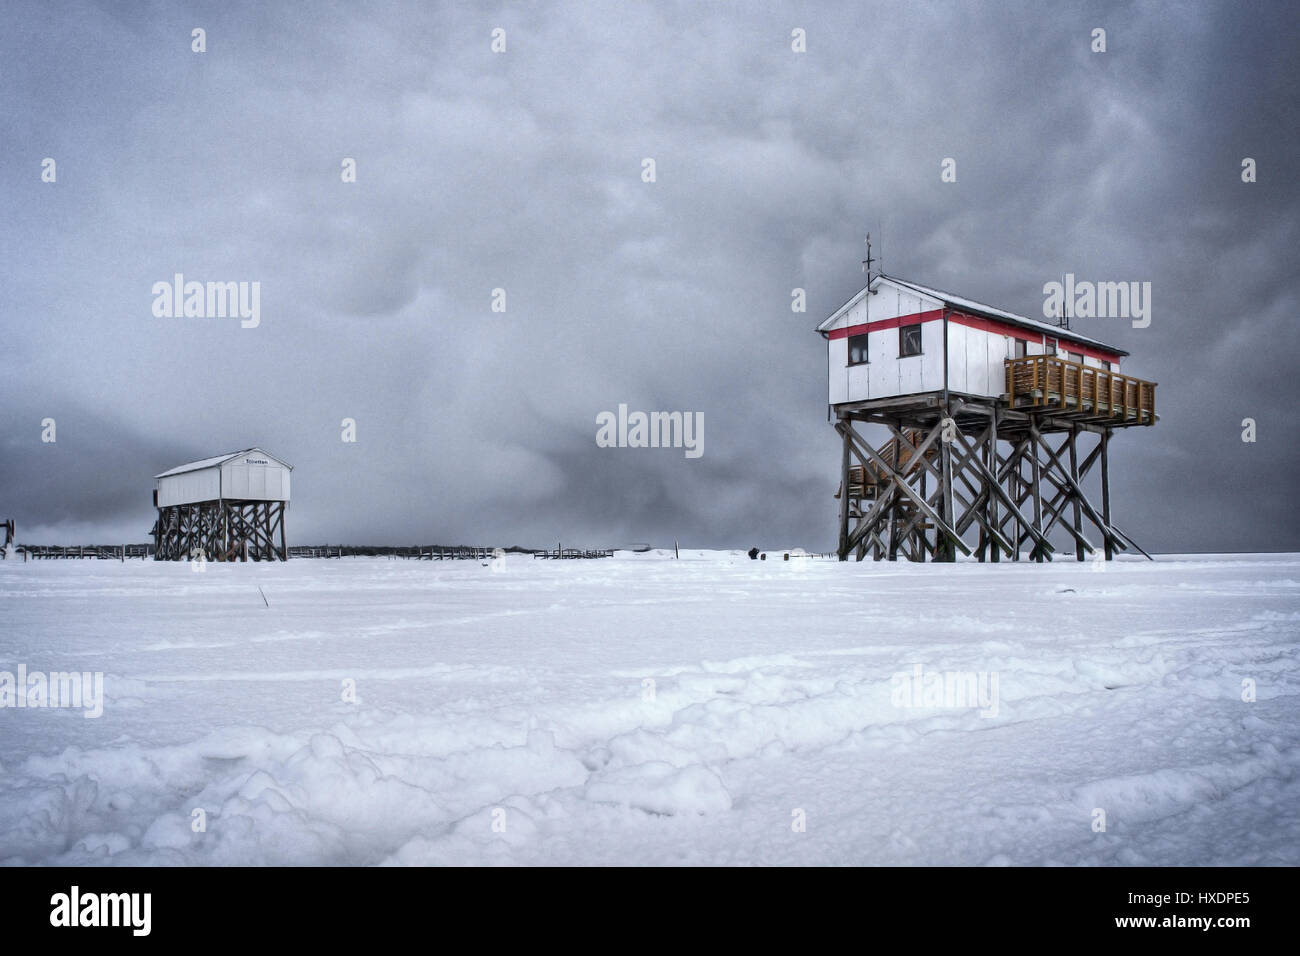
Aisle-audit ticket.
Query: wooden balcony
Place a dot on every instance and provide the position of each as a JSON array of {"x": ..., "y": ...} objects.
[{"x": 1080, "y": 392}]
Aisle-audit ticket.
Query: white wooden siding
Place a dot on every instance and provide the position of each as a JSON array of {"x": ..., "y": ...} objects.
[
  {"x": 252, "y": 475},
  {"x": 975, "y": 356}
]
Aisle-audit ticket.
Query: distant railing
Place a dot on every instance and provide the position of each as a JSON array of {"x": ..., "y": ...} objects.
[
  {"x": 102, "y": 552},
  {"x": 422, "y": 552},
  {"x": 1048, "y": 381},
  {"x": 426, "y": 552},
  {"x": 572, "y": 553}
]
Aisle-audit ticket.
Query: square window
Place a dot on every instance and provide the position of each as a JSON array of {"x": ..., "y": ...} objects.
[
  {"x": 909, "y": 340},
  {"x": 858, "y": 349},
  {"x": 1075, "y": 357}
]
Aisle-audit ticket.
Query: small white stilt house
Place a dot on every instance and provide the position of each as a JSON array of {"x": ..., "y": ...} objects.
[{"x": 227, "y": 508}]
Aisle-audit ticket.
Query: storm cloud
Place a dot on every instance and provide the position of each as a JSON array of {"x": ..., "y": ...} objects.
[{"x": 522, "y": 171}]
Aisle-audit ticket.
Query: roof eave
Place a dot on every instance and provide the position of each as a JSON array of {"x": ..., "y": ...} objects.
[
  {"x": 217, "y": 462},
  {"x": 858, "y": 296},
  {"x": 1000, "y": 315},
  {"x": 1058, "y": 332}
]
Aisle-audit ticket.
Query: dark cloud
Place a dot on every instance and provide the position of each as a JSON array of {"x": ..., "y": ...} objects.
[{"x": 522, "y": 171}]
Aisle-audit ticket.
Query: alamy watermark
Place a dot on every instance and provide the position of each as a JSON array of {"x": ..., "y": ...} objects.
[
  {"x": 653, "y": 430},
  {"x": 946, "y": 689},
  {"x": 75, "y": 908},
  {"x": 71, "y": 689},
  {"x": 208, "y": 300},
  {"x": 1098, "y": 300}
]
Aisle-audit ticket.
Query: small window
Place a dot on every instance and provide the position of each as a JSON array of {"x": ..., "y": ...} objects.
[
  {"x": 1108, "y": 366},
  {"x": 909, "y": 340},
  {"x": 1021, "y": 348},
  {"x": 858, "y": 349},
  {"x": 1075, "y": 357}
]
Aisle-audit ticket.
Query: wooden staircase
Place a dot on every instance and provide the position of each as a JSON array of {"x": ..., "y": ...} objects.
[{"x": 865, "y": 482}]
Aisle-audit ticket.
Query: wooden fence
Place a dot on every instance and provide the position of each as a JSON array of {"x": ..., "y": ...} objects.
[
  {"x": 421, "y": 552},
  {"x": 102, "y": 552},
  {"x": 431, "y": 552},
  {"x": 574, "y": 553}
]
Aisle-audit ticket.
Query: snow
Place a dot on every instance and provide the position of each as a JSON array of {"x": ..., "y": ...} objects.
[{"x": 645, "y": 710}]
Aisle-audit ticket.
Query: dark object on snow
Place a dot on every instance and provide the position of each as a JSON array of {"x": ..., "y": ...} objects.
[
  {"x": 763, "y": 556},
  {"x": 753, "y": 554}
]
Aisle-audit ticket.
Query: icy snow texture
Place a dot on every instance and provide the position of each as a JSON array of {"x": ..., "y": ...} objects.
[{"x": 508, "y": 717}]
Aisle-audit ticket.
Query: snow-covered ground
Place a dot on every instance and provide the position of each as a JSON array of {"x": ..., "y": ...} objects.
[{"x": 644, "y": 710}]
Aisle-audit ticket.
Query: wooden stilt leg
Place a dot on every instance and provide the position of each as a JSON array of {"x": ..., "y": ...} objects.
[
  {"x": 843, "y": 550},
  {"x": 1105, "y": 491},
  {"x": 1036, "y": 479},
  {"x": 1074, "y": 477}
]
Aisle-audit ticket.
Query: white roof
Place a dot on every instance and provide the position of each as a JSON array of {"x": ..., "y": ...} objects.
[
  {"x": 970, "y": 305},
  {"x": 218, "y": 460}
]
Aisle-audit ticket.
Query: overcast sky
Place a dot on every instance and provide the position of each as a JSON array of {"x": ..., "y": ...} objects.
[{"x": 522, "y": 171}]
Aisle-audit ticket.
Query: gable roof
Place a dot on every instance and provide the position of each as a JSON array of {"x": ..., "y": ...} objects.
[
  {"x": 976, "y": 308},
  {"x": 218, "y": 460}
]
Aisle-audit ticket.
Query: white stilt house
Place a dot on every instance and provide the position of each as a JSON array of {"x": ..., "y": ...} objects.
[
  {"x": 952, "y": 378},
  {"x": 899, "y": 338},
  {"x": 227, "y": 508}
]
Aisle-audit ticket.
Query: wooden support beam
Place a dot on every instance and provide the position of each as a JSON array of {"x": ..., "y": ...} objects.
[
  {"x": 1062, "y": 478},
  {"x": 843, "y": 550},
  {"x": 899, "y": 482},
  {"x": 991, "y": 487},
  {"x": 1105, "y": 490},
  {"x": 1013, "y": 500},
  {"x": 1074, "y": 480},
  {"x": 944, "y": 544},
  {"x": 992, "y": 504},
  {"x": 1036, "y": 483}
]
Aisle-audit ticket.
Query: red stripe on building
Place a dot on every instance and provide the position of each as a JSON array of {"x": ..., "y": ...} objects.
[
  {"x": 1016, "y": 331},
  {"x": 880, "y": 325},
  {"x": 974, "y": 322}
]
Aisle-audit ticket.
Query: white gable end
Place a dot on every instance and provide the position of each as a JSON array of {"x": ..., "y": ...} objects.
[{"x": 889, "y": 301}]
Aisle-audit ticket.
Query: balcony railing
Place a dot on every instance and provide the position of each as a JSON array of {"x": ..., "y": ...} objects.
[{"x": 1080, "y": 391}]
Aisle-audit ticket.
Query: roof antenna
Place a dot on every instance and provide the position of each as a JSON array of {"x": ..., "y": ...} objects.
[
  {"x": 1063, "y": 317},
  {"x": 881, "y": 229},
  {"x": 867, "y": 262}
]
